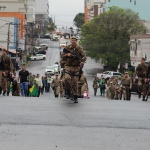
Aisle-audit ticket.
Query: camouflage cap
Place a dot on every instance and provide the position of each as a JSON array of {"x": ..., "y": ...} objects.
[
  {"x": 74, "y": 37},
  {"x": 126, "y": 72}
]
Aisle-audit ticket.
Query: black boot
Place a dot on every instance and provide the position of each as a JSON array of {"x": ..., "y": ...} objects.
[
  {"x": 56, "y": 95},
  {"x": 75, "y": 99},
  {"x": 71, "y": 97},
  {"x": 67, "y": 94},
  {"x": 143, "y": 98},
  {"x": 4, "y": 93},
  {"x": 7, "y": 93},
  {"x": 139, "y": 95}
]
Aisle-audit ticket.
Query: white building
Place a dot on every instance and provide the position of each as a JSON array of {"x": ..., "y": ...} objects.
[
  {"x": 139, "y": 47},
  {"x": 42, "y": 7},
  {"x": 96, "y": 7},
  {"x": 31, "y": 11},
  {"x": 13, "y": 6}
]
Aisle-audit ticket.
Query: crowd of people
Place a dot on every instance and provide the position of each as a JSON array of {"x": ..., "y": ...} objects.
[
  {"x": 71, "y": 82},
  {"x": 116, "y": 88}
]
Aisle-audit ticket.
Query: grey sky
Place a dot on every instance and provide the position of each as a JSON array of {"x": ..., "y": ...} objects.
[{"x": 64, "y": 11}]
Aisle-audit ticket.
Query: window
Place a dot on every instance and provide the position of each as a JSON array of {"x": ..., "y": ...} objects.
[
  {"x": 106, "y": 72},
  {"x": 116, "y": 74}
]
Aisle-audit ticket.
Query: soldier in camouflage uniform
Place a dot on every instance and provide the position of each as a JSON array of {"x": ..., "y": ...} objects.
[
  {"x": 112, "y": 90},
  {"x": 7, "y": 68},
  {"x": 61, "y": 87},
  {"x": 56, "y": 85},
  {"x": 141, "y": 72},
  {"x": 95, "y": 85},
  {"x": 72, "y": 68},
  {"x": 126, "y": 86},
  {"x": 82, "y": 81}
]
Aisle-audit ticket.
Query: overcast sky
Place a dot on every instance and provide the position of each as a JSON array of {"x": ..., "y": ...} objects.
[{"x": 64, "y": 11}]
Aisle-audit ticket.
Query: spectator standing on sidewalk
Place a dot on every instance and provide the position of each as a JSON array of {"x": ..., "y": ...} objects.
[{"x": 24, "y": 78}]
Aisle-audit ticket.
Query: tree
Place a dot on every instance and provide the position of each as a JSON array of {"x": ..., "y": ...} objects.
[
  {"x": 51, "y": 25},
  {"x": 79, "y": 20},
  {"x": 106, "y": 37}
]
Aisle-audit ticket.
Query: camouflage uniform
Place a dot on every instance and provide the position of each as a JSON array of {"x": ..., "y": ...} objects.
[
  {"x": 95, "y": 86},
  {"x": 61, "y": 88},
  {"x": 7, "y": 67},
  {"x": 72, "y": 68},
  {"x": 126, "y": 87},
  {"x": 56, "y": 85},
  {"x": 141, "y": 72},
  {"x": 81, "y": 82},
  {"x": 117, "y": 92},
  {"x": 112, "y": 91}
]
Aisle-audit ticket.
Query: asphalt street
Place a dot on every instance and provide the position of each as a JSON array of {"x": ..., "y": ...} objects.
[{"x": 59, "y": 124}]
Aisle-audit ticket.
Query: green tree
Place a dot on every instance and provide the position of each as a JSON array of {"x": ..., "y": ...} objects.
[
  {"x": 79, "y": 20},
  {"x": 106, "y": 37},
  {"x": 51, "y": 25}
]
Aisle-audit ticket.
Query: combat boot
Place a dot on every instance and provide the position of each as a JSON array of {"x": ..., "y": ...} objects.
[
  {"x": 67, "y": 94},
  {"x": 75, "y": 99},
  {"x": 143, "y": 98},
  {"x": 4, "y": 93},
  {"x": 7, "y": 93},
  {"x": 56, "y": 95},
  {"x": 139, "y": 95},
  {"x": 71, "y": 97}
]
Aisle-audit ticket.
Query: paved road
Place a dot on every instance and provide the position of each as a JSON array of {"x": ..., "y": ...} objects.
[{"x": 58, "y": 124}]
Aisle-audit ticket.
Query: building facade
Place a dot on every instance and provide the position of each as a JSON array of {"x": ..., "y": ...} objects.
[
  {"x": 19, "y": 13},
  {"x": 93, "y": 8},
  {"x": 139, "y": 47}
]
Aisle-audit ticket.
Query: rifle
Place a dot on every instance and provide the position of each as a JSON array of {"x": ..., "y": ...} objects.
[{"x": 74, "y": 54}]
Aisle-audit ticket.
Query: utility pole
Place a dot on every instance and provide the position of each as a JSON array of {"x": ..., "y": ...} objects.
[{"x": 8, "y": 34}]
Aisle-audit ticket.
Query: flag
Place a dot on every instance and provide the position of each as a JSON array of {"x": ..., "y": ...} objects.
[{"x": 33, "y": 91}]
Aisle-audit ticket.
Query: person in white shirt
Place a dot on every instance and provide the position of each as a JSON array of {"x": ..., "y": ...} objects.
[{"x": 40, "y": 84}]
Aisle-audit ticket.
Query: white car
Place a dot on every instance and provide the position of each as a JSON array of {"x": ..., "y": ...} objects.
[
  {"x": 44, "y": 46},
  {"x": 54, "y": 37},
  {"x": 109, "y": 74},
  {"x": 51, "y": 69},
  {"x": 38, "y": 57}
]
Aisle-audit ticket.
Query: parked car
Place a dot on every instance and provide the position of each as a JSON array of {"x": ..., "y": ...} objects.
[
  {"x": 38, "y": 48},
  {"x": 44, "y": 46},
  {"x": 109, "y": 74},
  {"x": 51, "y": 69},
  {"x": 38, "y": 57},
  {"x": 54, "y": 37},
  {"x": 41, "y": 52}
]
